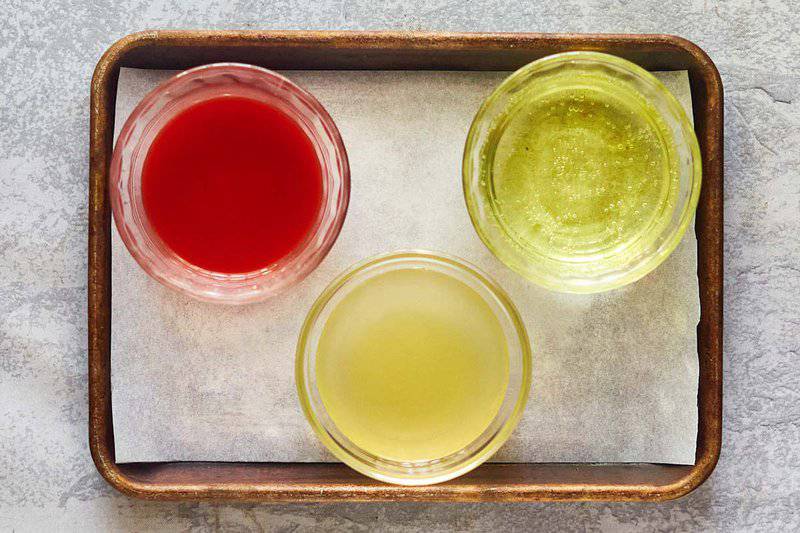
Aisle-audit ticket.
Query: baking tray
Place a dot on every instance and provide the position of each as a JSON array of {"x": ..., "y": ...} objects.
[{"x": 325, "y": 50}]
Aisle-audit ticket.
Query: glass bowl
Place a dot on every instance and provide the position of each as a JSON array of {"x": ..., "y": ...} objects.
[
  {"x": 165, "y": 102},
  {"x": 422, "y": 472},
  {"x": 581, "y": 271}
]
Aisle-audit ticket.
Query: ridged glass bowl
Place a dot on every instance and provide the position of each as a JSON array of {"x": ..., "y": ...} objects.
[
  {"x": 165, "y": 102},
  {"x": 414, "y": 472},
  {"x": 609, "y": 268}
]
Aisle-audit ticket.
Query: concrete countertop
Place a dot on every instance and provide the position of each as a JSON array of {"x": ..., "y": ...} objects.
[{"x": 47, "y": 53}]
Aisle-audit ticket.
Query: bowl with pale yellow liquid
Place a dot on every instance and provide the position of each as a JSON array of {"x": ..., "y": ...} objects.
[
  {"x": 581, "y": 172},
  {"x": 413, "y": 367}
]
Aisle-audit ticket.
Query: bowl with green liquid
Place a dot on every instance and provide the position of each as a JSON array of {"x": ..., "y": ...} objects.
[{"x": 581, "y": 172}]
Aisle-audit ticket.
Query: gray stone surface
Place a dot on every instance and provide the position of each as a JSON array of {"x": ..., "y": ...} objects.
[{"x": 47, "y": 53}]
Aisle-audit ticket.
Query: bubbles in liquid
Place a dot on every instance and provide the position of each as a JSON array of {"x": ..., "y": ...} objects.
[{"x": 581, "y": 171}]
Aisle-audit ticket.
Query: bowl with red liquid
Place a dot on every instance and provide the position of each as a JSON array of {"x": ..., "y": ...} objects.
[{"x": 229, "y": 183}]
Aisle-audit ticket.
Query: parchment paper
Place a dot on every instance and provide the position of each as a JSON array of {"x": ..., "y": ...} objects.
[{"x": 614, "y": 376}]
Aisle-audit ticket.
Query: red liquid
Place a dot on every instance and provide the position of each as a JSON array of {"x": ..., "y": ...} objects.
[{"x": 232, "y": 184}]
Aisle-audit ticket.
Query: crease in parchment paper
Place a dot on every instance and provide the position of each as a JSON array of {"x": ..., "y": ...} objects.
[{"x": 615, "y": 375}]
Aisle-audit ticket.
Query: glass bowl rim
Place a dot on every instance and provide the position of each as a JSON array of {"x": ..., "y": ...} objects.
[
  {"x": 513, "y": 257},
  {"x": 403, "y": 259},
  {"x": 290, "y": 269}
]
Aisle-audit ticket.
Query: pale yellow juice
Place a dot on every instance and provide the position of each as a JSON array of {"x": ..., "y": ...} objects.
[{"x": 412, "y": 365}]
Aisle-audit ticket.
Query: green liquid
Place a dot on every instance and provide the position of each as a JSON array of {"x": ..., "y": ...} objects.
[{"x": 581, "y": 173}]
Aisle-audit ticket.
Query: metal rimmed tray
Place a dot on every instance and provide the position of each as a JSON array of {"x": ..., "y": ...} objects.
[{"x": 403, "y": 51}]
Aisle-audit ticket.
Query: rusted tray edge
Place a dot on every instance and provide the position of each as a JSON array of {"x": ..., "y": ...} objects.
[{"x": 706, "y": 80}]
